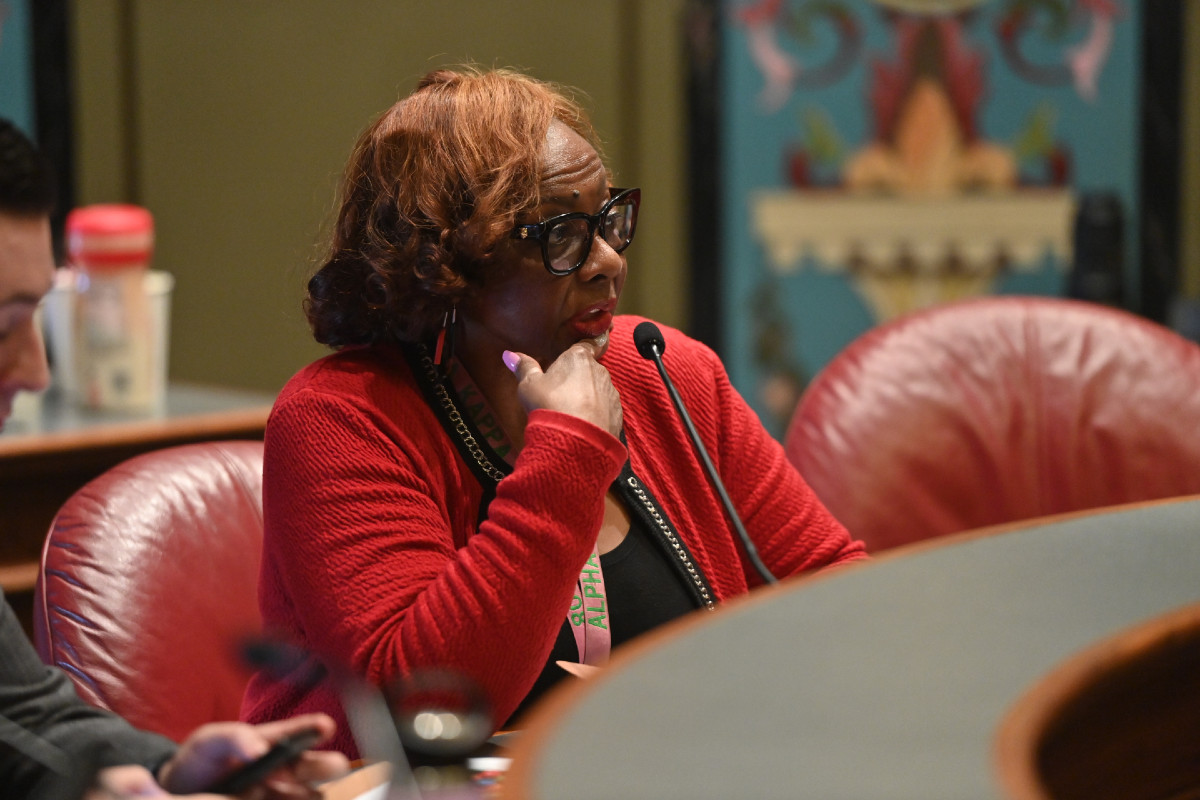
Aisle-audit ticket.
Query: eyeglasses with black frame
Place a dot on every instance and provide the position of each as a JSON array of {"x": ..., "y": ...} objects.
[{"x": 566, "y": 239}]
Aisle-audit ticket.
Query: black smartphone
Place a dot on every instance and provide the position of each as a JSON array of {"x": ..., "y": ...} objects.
[{"x": 283, "y": 752}]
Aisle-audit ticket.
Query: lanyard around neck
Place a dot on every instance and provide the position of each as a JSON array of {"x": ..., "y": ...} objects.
[{"x": 588, "y": 615}]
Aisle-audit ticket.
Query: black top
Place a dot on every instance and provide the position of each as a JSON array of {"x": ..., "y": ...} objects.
[{"x": 643, "y": 591}]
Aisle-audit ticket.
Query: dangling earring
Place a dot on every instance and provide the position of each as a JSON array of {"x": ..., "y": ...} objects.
[{"x": 445, "y": 338}]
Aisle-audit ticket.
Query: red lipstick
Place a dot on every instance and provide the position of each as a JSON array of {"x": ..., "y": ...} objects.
[{"x": 594, "y": 321}]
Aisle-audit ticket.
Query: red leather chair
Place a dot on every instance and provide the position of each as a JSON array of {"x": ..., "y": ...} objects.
[
  {"x": 995, "y": 410},
  {"x": 149, "y": 582}
]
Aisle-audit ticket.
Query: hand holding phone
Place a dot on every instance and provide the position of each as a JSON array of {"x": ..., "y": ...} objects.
[{"x": 285, "y": 751}]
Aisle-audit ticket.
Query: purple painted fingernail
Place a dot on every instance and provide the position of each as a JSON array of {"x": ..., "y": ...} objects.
[{"x": 511, "y": 360}]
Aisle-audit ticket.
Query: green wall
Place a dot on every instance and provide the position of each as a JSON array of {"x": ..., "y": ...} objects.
[{"x": 231, "y": 120}]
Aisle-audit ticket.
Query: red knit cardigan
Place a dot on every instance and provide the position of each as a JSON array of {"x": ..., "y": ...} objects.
[{"x": 372, "y": 559}]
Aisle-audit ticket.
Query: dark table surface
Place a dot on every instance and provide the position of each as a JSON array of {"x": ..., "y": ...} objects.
[{"x": 885, "y": 681}]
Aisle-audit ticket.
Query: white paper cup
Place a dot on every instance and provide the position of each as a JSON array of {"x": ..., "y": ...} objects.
[
  {"x": 159, "y": 286},
  {"x": 60, "y": 323},
  {"x": 58, "y": 320}
]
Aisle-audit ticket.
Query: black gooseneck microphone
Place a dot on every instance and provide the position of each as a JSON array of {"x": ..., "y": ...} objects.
[{"x": 650, "y": 343}]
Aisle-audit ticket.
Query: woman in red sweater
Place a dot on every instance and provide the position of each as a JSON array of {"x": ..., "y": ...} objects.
[{"x": 485, "y": 476}]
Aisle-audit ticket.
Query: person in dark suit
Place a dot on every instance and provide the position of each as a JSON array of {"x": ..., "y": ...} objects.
[{"x": 52, "y": 743}]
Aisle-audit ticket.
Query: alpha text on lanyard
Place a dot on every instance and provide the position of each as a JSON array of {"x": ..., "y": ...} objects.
[{"x": 589, "y": 614}]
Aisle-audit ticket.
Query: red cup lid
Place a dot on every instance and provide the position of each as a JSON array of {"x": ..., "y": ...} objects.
[
  {"x": 110, "y": 218},
  {"x": 110, "y": 235}
]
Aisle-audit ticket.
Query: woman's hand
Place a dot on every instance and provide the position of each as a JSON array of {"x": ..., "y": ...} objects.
[{"x": 575, "y": 384}]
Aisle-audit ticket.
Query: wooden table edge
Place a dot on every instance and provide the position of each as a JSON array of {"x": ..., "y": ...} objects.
[
  {"x": 206, "y": 425},
  {"x": 1014, "y": 750}
]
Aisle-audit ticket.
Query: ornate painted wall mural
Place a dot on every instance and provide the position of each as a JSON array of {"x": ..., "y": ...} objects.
[{"x": 885, "y": 156}]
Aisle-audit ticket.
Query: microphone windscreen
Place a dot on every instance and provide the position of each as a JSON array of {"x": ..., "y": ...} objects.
[
  {"x": 283, "y": 661},
  {"x": 648, "y": 338}
]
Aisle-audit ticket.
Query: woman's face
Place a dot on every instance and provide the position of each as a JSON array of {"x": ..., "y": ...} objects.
[{"x": 530, "y": 310}]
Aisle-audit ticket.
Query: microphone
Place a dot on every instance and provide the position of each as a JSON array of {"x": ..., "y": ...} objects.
[
  {"x": 650, "y": 344},
  {"x": 367, "y": 712},
  {"x": 438, "y": 714}
]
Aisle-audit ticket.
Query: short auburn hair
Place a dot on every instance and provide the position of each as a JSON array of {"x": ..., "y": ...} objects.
[{"x": 433, "y": 185}]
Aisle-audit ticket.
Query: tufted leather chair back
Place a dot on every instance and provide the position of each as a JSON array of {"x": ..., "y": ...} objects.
[
  {"x": 149, "y": 581},
  {"x": 995, "y": 410}
]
